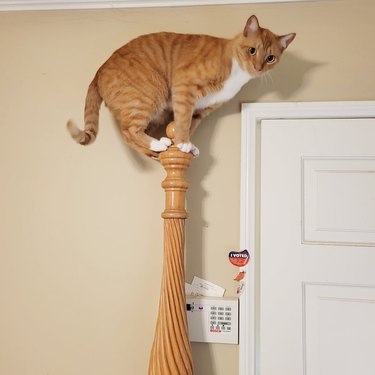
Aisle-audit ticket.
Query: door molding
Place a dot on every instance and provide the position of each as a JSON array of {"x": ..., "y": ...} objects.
[{"x": 251, "y": 118}]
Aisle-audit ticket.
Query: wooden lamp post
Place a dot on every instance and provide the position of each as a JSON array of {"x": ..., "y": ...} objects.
[{"x": 171, "y": 350}]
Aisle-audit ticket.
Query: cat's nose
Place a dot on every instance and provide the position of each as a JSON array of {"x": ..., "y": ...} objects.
[{"x": 258, "y": 67}]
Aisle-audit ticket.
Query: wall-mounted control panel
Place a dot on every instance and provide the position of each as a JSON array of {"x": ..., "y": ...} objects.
[{"x": 212, "y": 319}]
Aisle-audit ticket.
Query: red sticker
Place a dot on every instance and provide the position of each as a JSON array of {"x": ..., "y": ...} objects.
[
  {"x": 240, "y": 276},
  {"x": 239, "y": 258}
]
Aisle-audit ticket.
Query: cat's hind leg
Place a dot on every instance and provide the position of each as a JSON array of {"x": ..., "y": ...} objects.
[
  {"x": 160, "y": 145},
  {"x": 136, "y": 137}
]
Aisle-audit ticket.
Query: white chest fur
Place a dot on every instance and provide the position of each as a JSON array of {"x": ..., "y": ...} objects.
[{"x": 238, "y": 77}]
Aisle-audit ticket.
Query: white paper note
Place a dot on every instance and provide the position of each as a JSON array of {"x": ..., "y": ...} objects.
[
  {"x": 206, "y": 288},
  {"x": 189, "y": 289}
]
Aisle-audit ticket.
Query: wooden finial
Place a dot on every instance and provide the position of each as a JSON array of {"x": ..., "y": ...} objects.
[
  {"x": 171, "y": 131},
  {"x": 175, "y": 185}
]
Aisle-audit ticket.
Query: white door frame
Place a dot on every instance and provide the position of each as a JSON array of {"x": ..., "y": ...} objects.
[{"x": 252, "y": 115}]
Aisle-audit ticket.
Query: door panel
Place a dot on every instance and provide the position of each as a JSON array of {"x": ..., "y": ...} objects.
[
  {"x": 338, "y": 201},
  {"x": 335, "y": 338}
]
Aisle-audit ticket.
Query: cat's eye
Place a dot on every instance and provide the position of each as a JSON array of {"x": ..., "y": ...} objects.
[
  {"x": 271, "y": 59},
  {"x": 252, "y": 51}
]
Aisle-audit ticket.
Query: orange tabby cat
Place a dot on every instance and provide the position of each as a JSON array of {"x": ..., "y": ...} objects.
[{"x": 163, "y": 77}]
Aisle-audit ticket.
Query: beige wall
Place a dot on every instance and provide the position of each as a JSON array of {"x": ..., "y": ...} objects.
[{"x": 80, "y": 228}]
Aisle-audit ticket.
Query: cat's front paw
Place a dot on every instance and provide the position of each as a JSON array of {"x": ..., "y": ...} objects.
[
  {"x": 188, "y": 147},
  {"x": 195, "y": 151},
  {"x": 185, "y": 147}
]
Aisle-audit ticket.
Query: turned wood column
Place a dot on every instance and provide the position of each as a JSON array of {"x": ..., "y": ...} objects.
[{"x": 171, "y": 350}]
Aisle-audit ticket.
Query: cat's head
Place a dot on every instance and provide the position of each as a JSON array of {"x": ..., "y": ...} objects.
[{"x": 260, "y": 49}]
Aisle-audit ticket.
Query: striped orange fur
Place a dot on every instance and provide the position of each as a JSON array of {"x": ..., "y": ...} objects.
[{"x": 163, "y": 77}]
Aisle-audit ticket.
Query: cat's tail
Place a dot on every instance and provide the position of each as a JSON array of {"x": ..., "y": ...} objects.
[{"x": 93, "y": 102}]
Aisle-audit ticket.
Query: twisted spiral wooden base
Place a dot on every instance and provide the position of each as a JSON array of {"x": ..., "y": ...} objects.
[{"x": 171, "y": 350}]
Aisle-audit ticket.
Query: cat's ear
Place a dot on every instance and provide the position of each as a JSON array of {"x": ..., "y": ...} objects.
[
  {"x": 285, "y": 40},
  {"x": 252, "y": 25}
]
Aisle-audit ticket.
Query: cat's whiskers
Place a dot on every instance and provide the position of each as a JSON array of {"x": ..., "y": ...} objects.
[
  {"x": 267, "y": 79},
  {"x": 269, "y": 75}
]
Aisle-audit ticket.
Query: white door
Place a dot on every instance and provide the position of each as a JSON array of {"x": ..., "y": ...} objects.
[{"x": 314, "y": 261}]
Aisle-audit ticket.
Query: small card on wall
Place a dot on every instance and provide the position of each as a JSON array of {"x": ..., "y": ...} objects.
[{"x": 206, "y": 288}]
